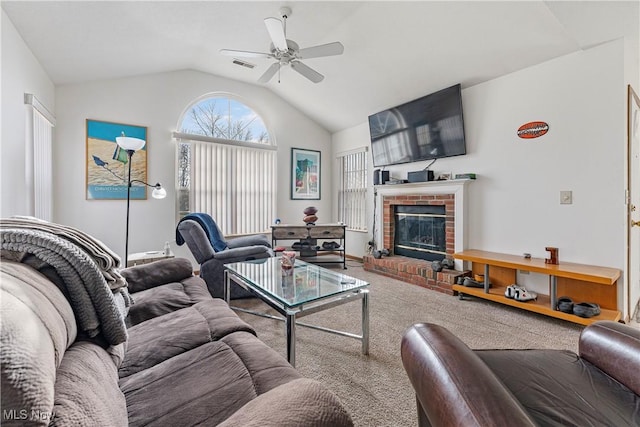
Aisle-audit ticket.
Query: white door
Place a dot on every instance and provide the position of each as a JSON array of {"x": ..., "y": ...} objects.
[{"x": 634, "y": 205}]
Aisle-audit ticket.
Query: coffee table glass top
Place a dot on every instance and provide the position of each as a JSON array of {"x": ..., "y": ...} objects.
[{"x": 307, "y": 282}]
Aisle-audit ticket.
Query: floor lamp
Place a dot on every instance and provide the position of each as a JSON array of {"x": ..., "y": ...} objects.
[{"x": 131, "y": 145}]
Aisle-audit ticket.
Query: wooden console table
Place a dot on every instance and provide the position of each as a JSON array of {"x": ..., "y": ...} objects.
[
  {"x": 581, "y": 283},
  {"x": 308, "y": 235}
]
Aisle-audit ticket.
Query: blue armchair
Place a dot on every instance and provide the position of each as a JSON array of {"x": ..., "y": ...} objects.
[{"x": 212, "y": 251}]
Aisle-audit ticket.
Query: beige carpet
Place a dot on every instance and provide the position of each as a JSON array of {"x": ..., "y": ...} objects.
[{"x": 375, "y": 388}]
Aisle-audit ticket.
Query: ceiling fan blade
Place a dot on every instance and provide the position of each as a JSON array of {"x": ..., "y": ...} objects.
[
  {"x": 276, "y": 32},
  {"x": 245, "y": 53},
  {"x": 269, "y": 73},
  {"x": 328, "y": 49},
  {"x": 307, "y": 71}
]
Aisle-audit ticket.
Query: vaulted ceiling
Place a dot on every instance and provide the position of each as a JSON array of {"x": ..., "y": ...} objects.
[{"x": 394, "y": 51}]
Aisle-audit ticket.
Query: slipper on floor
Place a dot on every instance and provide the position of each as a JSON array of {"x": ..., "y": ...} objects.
[
  {"x": 330, "y": 245},
  {"x": 586, "y": 309},
  {"x": 470, "y": 283},
  {"x": 565, "y": 305},
  {"x": 510, "y": 292},
  {"x": 524, "y": 295}
]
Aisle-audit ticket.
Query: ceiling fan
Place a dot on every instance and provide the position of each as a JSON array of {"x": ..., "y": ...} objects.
[{"x": 287, "y": 52}]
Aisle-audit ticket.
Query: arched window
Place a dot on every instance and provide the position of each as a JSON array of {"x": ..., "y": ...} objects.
[
  {"x": 224, "y": 118},
  {"x": 226, "y": 165}
]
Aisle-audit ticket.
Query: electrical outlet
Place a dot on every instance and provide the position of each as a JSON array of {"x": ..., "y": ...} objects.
[{"x": 566, "y": 197}]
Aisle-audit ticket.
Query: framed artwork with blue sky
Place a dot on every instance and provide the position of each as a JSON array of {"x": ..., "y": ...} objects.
[
  {"x": 107, "y": 164},
  {"x": 305, "y": 174}
]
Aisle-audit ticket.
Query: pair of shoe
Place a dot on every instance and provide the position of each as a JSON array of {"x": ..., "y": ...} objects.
[
  {"x": 519, "y": 293},
  {"x": 331, "y": 245},
  {"x": 303, "y": 245},
  {"x": 583, "y": 309}
]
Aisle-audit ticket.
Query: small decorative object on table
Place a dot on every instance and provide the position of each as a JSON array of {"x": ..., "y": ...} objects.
[
  {"x": 287, "y": 261},
  {"x": 310, "y": 217},
  {"x": 554, "y": 255}
]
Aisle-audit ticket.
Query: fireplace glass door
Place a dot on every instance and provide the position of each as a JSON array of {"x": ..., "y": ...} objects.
[{"x": 420, "y": 231}]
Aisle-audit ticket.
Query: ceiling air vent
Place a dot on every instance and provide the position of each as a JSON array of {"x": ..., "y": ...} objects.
[{"x": 243, "y": 63}]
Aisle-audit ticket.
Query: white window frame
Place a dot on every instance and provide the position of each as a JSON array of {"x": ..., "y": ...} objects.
[
  {"x": 353, "y": 172},
  {"x": 39, "y": 158},
  {"x": 217, "y": 168}
]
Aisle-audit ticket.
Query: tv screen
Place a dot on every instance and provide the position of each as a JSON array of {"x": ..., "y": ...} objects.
[{"x": 426, "y": 128}]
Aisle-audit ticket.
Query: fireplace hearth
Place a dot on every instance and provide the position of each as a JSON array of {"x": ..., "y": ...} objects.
[{"x": 392, "y": 200}]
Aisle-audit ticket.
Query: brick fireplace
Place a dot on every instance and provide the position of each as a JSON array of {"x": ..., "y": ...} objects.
[
  {"x": 389, "y": 221},
  {"x": 451, "y": 195}
]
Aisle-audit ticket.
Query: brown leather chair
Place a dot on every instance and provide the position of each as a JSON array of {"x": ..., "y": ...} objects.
[{"x": 457, "y": 386}]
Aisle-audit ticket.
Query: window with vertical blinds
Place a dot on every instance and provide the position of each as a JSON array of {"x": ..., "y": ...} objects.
[
  {"x": 225, "y": 171},
  {"x": 352, "y": 193}
]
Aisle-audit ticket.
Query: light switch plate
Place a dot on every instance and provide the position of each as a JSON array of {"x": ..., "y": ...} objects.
[{"x": 566, "y": 197}]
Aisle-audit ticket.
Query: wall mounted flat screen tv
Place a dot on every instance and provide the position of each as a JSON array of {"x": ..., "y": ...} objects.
[{"x": 426, "y": 128}]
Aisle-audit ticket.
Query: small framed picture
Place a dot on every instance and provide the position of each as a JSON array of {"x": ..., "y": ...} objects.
[
  {"x": 305, "y": 174},
  {"x": 444, "y": 176}
]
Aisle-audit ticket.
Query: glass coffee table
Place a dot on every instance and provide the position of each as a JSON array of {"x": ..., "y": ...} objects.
[{"x": 309, "y": 289}]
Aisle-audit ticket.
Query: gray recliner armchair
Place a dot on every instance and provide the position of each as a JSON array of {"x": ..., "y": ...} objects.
[{"x": 212, "y": 251}]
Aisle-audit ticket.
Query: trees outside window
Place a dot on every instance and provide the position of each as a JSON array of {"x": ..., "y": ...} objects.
[{"x": 226, "y": 165}]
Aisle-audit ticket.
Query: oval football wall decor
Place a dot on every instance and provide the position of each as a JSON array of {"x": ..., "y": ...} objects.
[{"x": 533, "y": 130}]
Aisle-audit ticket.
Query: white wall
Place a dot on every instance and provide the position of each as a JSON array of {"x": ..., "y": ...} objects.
[
  {"x": 514, "y": 205},
  {"x": 157, "y": 101},
  {"x": 21, "y": 73},
  {"x": 350, "y": 139}
]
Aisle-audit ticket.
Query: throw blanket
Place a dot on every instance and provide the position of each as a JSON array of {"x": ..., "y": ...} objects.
[
  {"x": 98, "y": 309},
  {"x": 107, "y": 260},
  {"x": 210, "y": 228}
]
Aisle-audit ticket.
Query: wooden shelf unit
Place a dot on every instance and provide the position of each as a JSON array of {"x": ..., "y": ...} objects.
[
  {"x": 581, "y": 283},
  {"x": 309, "y": 235}
]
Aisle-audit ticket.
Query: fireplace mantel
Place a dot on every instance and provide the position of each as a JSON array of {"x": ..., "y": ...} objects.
[{"x": 456, "y": 188}]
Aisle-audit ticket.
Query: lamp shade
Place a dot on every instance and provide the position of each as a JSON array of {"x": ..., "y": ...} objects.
[
  {"x": 159, "y": 192},
  {"x": 129, "y": 143}
]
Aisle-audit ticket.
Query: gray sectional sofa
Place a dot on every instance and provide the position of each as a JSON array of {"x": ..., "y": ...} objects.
[{"x": 186, "y": 358}]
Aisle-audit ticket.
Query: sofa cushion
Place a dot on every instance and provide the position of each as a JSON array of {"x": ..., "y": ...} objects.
[
  {"x": 301, "y": 402},
  {"x": 556, "y": 387},
  {"x": 207, "y": 384},
  {"x": 167, "y": 298},
  {"x": 164, "y": 337},
  {"x": 37, "y": 327},
  {"x": 267, "y": 368},
  {"x": 147, "y": 276},
  {"x": 86, "y": 389}
]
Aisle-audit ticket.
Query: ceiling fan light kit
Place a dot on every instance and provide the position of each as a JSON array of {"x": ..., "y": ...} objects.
[{"x": 287, "y": 52}]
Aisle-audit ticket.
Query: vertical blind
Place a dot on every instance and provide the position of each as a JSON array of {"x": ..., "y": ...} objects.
[
  {"x": 352, "y": 194},
  {"x": 236, "y": 185},
  {"x": 40, "y": 123}
]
